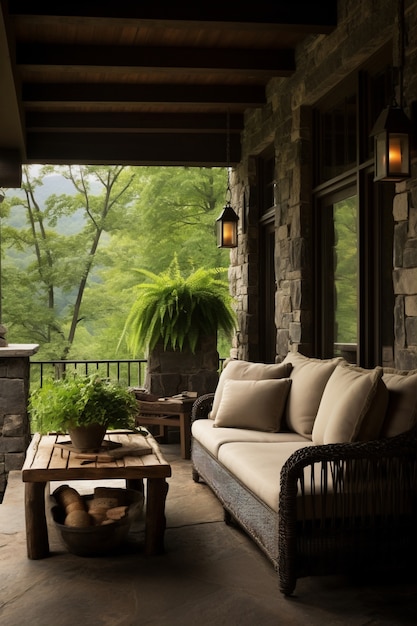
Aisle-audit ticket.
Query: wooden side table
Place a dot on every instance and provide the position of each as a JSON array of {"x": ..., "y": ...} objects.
[
  {"x": 169, "y": 412},
  {"x": 46, "y": 462}
]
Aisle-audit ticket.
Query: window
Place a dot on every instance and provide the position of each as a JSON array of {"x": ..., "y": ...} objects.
[
  {"x": 338, "y": 138},
  {"x": 338, "y": 226},
  {"x": 353, "y": 224}
]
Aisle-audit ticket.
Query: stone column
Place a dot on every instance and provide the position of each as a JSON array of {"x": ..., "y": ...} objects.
[
  {"x": 405, "y": 277},
  {"x": 14, "y": 420}
]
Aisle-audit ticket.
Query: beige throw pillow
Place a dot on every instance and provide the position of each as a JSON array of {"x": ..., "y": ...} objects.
[
  {"x": 401, "y": 413},
  {"x": 253, "y": 404},
  {"x": 373, "y": 420},
  {"x": 309, "y": 377},
  {"x": 347, "y": 403},
  {"x": 245, "y": 370}
]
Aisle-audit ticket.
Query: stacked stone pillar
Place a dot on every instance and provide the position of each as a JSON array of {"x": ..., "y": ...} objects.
[
  {"x": 14, "y": 420},
  {"x": 405, "y": 276},
  {"x": 286, "y": 124}
]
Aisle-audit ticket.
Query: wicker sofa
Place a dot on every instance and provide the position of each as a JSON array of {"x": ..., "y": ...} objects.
[{"x": 316, "y": 460}]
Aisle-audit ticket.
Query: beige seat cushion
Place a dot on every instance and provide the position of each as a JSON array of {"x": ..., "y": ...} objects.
[
  {"x": 309, "y": 377},
  {"x": 257, "y": 466},
  {"x": 401, "y": 413},
  {"x": 346, "y": 407},
  {"x": 245, "y": 370},
  {"x": 212, "y": 438},
  {"x": 253, "y": 404}
]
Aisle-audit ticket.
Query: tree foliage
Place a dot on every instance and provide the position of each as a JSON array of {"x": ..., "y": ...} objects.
[
  {"x": 346, "y": 270},
  {"x": 67, "y": 254}
]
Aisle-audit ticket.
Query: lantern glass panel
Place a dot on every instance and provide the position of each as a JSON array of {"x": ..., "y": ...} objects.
[
  {"x": 226, "y": 234},
  {"x": 380, "y": 156},
  {"x": 398, "y": 154},
  {"x": 392, "y": 157}
]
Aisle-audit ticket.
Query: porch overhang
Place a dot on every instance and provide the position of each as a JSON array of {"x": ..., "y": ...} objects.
[{"x": 142, "y": 83}]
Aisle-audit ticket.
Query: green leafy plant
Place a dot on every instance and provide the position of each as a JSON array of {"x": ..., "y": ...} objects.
[
  {"x": 178, "y": 310},
  {"x": 77, "y": 400}
]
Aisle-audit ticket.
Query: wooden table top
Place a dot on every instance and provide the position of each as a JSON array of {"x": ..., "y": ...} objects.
[
  {"x": 172, "y": 406},
  {"x": 50, "y": 457}
]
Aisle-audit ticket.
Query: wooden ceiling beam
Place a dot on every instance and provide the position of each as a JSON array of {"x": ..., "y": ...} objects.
[
  {"x": 279, "y": 62},
  {"x": 244, "y": 95},
  {"x": 133, "y": 122},
  {"x": 163, "y": 101},
  {"x": 145, "y": 149},
  {"x": 318, "y": 16}
]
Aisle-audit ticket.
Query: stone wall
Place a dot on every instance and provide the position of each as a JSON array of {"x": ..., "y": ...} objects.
[
  {"x": 405, "y": 276},
  {"x": 285, "y": 122},
  {"x": 14, "y": 422}
]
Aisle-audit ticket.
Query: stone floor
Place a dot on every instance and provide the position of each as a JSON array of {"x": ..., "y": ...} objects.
[{"x": 211, "y": 574}]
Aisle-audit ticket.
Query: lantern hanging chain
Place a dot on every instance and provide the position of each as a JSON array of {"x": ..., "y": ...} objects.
[
  {"x": 400, "y": 50},
  {"x": 228, "y": 190}
]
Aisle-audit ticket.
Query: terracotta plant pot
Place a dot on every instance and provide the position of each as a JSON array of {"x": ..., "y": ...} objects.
[{"x": 87, "y": 438}]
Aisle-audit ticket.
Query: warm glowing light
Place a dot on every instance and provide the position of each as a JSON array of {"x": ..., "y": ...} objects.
[
  {"x": 228, "y": 233},
  {"x": 392, "y": 137},
  {"x": 227, "y": 228},
  {"x": 395, "y": 156}
]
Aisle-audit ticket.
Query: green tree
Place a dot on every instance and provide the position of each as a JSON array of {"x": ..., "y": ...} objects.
[
  {"x": 177, "y": 209},
  {"x": 346, "y": 270},
  {"x": 66, "y": 275},
  {"x": 173, "y": 214},
  {"x": 58, "y": 266}
]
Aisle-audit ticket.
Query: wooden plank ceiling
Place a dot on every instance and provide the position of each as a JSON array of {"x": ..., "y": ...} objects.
[{"x": 142, "y": 83}]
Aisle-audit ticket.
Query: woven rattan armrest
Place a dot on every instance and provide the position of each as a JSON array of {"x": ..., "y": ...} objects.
[
  {"x": 361, "y": 486},
  {"x": 404, "y": 444},
  {"x": 202, "y": 407}
]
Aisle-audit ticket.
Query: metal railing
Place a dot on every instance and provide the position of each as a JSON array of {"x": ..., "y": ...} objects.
[{"x": 130, "y": 372}]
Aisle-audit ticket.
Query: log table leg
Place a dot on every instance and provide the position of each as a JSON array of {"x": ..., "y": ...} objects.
[
  {"x": 157, "y": 489},
  {"x": 136, "y": 484},
  {"x": 36, "y": 527}
]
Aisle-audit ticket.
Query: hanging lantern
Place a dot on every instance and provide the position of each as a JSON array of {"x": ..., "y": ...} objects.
[
  {"x": 226, "y": 223},
  {"x": 227, "y": 227},
  {"x": 392, "y": 134}
]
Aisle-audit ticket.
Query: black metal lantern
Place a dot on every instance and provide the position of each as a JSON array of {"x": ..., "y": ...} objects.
[
  {"x": 392, "y": 137},
  {"x": 226, "y": 225},
  {"x": 392, "y": 130}
]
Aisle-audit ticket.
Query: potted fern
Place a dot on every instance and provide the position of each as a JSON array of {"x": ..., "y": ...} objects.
[
  {"x": 174, "y": 321},
  {"x": 83, "y": 406}
]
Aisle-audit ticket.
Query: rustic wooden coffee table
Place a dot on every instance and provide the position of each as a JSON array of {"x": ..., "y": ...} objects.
[{"x": 46, "y": 461}]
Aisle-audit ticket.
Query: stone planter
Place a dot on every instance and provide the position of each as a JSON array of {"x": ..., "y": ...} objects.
[{"x": 170, "y": 372}]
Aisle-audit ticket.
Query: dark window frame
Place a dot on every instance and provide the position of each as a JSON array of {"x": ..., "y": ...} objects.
[{"x": 371, "y": 87}]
